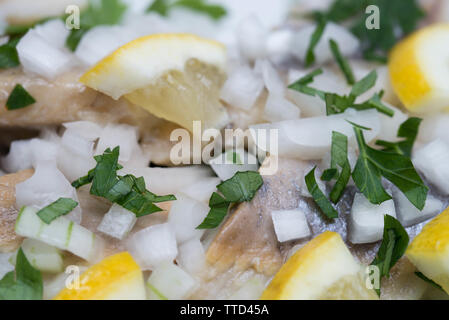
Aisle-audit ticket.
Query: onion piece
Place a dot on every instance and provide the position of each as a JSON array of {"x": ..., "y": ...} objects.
[
  {"x": 390, "y": 125},
  {"x": 192, "y": 257},
  {"x": 122, "y": 135},
  {"x": 77, "y": 144},
  {"x": 41, "y": 256},
  {"x": 225, "y": 167},
  {"x": 185, "y": 215},
  {"x": 311, "y": 138},
  {"x": 348, "y": 43},
  {"x": 203, "y": 189},
  {"x": 277, "y": 108},
  {"x": 431, "y": 160},
  {"x": 170, "y": 282},
  {"x": 271, "y": 78},
  {"x": 242, "y": 88},
  {"x": 153, "y": 246},
  {"x": 434, "y": 127},
  {"x": 47, "y": 185},
  {"x": 117, "y": 222},
  {"x": 251, "y": 37},
  {"x": 41, "y": 57},
  {"x": 367, "y": 220},
  {"x": 86, "y": 129},
  {"x": 278, "y": 45},
  {"x": 54, "y": 32},
  {"x": 409, "y": 215},
  {"x": 5, "y": 265},
  {"x": 290, "y": 225}
]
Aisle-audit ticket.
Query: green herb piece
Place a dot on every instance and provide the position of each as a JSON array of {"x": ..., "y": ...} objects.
[
  {"x": 362, "y": 86},
  {"x": 339, "y": 158},
  {"x": 319, "y": 197},
  {"x": 314, "y": 39},
  {"x": 25, "y": 283},
  {"x": 372, "y": 164},
  {"x": 429, "y": 281},
  {"x": 9, "y": 57},
  {"x": 240, "y": 188},
  {"x": 214, "y": 11},
  {"x": 375, "y": 103},
  {"x": 127, "y": 191},
  {"x": 301, "y": 85},
  {"x": 342, "y": 62},
  {"x": 60, "y": 207},
  {"x": 102, "y": 12},
  {"x": 19, "y": 98},
  {"x": 234, "y": 158},
  {"x": 329, "y": 174},
  {"x": 394, "y": 243},
  {"x": 409, "y": 131}
]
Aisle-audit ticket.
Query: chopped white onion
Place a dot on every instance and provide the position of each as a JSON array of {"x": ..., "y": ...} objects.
[
  {"x": 86, "y": 129},
  {"x": 185, "y": 215},
  {"x": 347, "y": 42},
  {"x": 41, "y": 256},
  {"x": 432, "y": 161},
  {"x": 409, "y": 215},
  {"x": 54, "y": 32},
  {"x": 271, "y": 78},
  {"x": 367, "y": 219},
  {"x": 25, "y": 154},
  {"x": 225, "y": 167},
  {"x": 390, "y": 125},
  {"x": 5, "y": 265},
  {"x": 311, "y": 138},
  {"x": 203, "y": 189},
  {"x": 117, "y": 222},
  {"x": 277, "y": 108},
  {"x": 170, "y": 282},
  {"x": 47, "y": 185},
  {"x": 74, "y": 165},
  {"x": 153, "y": 246},
  {"x": 290, "y": 225},
  {"x": 191, "y": 256},
  {"x": 434, "y": 127},
  {"x": 278, "y": 44},
  {"x": 41, "y": 57},
  {"x": 163, "y": 181},
  {"x": 77, "y": 144},
  {"x": 251, "y": 37},
  {"x": 121, "y": 135},
  {"x": 312, "y": 106},
  {"x": 242, "y": 88}
]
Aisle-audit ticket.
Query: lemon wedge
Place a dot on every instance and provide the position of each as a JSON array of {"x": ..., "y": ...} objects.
[
  {"x": 117, "y": 277},
  {"x": 322, "y": 269},
  {"x": 418, "y": 71},
  {"x": 429, "y": 251},
  {"x": 174, "y": 76}
]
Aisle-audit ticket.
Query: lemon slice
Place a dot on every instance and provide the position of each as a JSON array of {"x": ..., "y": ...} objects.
[
  {"x": 419, "y": 72},
  {"x": 322, "y": 269},
  {"x": 429, "y": 251},
  {"x": 174, "y": 76},
  {"x": 117, "y": 277}
]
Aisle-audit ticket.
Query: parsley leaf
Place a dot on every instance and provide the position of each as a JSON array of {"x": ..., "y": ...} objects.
[
  {"x": 319, "y": 197},
  {"x": 60, "y": 207},
  {"x": 339, "y": 157},
  {"x": 394, "y": 243},
  {"x": 240, "y": 188},
  {"x": 102, "y": 12},
  {"x": 409, "y": 131},
  {"x": 9, "y": 57},
  {"x": 25, "y": 283},
  {"x": 127, "y": 191},
  {"x": 301, "y": 85},
  {"x": 342, "y": 62},
  {"x": 372, "y": 164},
  {"x": 314, "y": 39},
  {"x": 214, "y": 11},
  {"x": 19, "y": 98}
]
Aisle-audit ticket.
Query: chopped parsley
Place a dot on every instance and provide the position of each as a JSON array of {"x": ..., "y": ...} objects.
[
  {"x": 102, "y": 12},
  {"x": 127, "y": 191},
  {"x": 9, "y": 57},
  {"x": 60, "y": 207},
  {"x": 397, "y": 18},
  {"x": 314, "y": 39},
  {"x": 214, "y": 11},
  {"x": 240, "y": 188},
  {"x": 319, "y": 197},
  {"x": 25, "y": 283},
  {"x": 302, "y": 84},
  {"x": 342, "y": 62},
  {"x": 394, "y": 243},
  {"x": 374, "y": 164},
  {"x": 19, "y": 98}
]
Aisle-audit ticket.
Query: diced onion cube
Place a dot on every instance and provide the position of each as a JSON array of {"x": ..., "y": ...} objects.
[
  {"x": 290, "y": 225},
  {"x": 117, "y": 222},
  {"x": 227, "y": 164},
  {"x": 203, "y": 189},
  {"x": 191, "y": 256},
  {"x": 153, "y": 246},
  {"x": 367, "y": 219},
  {"x": 41, "y": 256}
]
